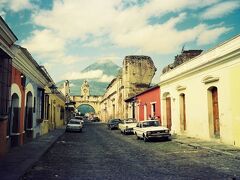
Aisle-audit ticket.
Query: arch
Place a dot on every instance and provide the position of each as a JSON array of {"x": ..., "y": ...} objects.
[
  {"x": 28, "y": 121},
  {"x": 86, "y": 108},
  {"x": 167, "y": 112},
  {"x": 213, "y": 112},
  {"x": 15, "y": 89},
  {"x": 14, "y": 122},
  {"x": 28, "y": 88}
]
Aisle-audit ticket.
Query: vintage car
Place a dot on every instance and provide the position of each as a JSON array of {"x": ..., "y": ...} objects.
[
  {"x": 74, "y": 125},
  {"x": 126, "y": 125},
  {"x": 80, "y": 118},
  {"x": 113, "y": 123},
  {"x": 150, "y": 129}
]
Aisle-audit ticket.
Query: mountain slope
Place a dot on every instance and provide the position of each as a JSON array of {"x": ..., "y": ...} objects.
[{"x": 108, "y": 70}]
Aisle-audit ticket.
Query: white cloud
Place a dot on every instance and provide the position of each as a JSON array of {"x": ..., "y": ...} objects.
[
  {"x": 72, "y": 85},
  {"x": 44, "y": 41},
  {"x": 110, "y": 58},
  {"x": 96, "y": 75},
  {"x": 211, "y": 35},
  {"x": 124, "y": 27},
  {"x": 220, "y": 10},
  {"x": 106, "y": 78},
  {"x": 16, "y": 5},
  {"x": 86, "y": 75}
]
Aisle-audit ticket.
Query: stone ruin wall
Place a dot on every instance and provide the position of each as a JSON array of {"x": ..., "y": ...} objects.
[{"x": 137, "y": 74}]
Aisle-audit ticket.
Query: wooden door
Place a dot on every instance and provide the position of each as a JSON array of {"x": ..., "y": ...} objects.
[
  {"x": 215, "y": 112},
  {"x": 168, "y": 113},
  {"x": 184, "y": 112}
]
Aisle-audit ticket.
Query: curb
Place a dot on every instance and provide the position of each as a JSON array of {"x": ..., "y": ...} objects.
[
  {"x": 196, "y": 146},
  {"x": 45, "y": 150}
]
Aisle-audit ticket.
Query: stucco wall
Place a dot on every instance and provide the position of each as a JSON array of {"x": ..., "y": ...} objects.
[{"x": 221, "y": 71}]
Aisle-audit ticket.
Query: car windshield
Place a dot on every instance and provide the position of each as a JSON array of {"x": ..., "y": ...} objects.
[
  {"x": 150, "y": 123},
  {"x": 78, "y": 117},
  {"x": 115, "y": 120},
  {"x": 74, "y": 122},
  {"x": 129, "y": 121}
]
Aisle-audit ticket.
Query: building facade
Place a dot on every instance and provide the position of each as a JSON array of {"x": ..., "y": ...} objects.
[
  {"x": 145, "y": 105},
  {"x": 135, "y": 76},
  {"x": 7, "y": 39},
  {"x": 200, "y": 98}
]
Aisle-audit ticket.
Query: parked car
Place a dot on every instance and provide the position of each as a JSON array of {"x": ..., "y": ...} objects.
[
  {"x": 74, "y": 125},
  {"x": 80, "y": 118},
  {"x": 113, "y": 123},
  {"x": 126, "y": 125},
  {"x": 150, "y": 129},
  {"x": 95, "y": 119}
]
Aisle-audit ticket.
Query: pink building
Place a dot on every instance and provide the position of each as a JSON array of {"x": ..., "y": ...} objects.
[{"x": 146, "y": 104}]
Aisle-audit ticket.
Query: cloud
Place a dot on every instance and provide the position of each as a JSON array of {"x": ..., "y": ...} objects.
[
  {"x": 44, "y": 41},
  {"x": 211, "y": 35},
  {"x": 16, "y": 5},
  {"x": 95, "y": 74},
  {"x": 124, "y": 25},
  {"x": 72, "y": 85},
  {"x": 45, "y": 45},
  {"x": 106, "y": 78},
  {"x": 110, "y": 58},
  {"x": 86, "y": 75},
  {"x": 220, "y": 10}
]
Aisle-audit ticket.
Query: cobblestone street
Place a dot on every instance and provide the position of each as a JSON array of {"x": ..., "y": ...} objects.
[{"x": 98, "y": 153}]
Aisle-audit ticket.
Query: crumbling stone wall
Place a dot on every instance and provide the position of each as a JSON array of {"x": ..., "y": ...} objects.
[
  {"x": 137, "y": 73},
  {"x": 183, "y": 57}
]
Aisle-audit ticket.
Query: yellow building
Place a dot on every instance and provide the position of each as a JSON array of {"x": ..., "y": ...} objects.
[
  {"x": 135, "y": 76},
  {"x": 200, "y": 97}
]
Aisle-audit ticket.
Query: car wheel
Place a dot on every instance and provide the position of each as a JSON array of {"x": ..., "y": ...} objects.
[
  {"x": 145, "y": 138},
  {"x": 137, "y": 136}
]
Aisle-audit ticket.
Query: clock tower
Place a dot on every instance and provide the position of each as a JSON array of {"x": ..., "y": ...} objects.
[{"x": 85, "y": 89}]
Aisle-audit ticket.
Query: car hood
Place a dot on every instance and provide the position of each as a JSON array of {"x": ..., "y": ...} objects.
[
  {"x": 131, "y": 125},
  {"x": 156, "y": 128}
]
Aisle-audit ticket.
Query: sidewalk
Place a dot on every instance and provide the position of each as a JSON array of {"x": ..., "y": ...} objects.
[
  {"x": 209, "y": 145},
  {"x": 20, "y": 158}
]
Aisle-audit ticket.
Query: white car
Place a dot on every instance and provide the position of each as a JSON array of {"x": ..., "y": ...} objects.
[
  {"x": 126, "y": 125},
  {"x": 150, "y": 129},
  {"x": 80, "y": 118},
  {"x": 74, "y": 125}
]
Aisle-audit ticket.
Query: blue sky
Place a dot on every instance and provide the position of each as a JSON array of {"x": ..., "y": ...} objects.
[{"x": 67, "y": 35}]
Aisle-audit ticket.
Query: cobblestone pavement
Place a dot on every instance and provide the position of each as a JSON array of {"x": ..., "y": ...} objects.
[{"x": 98, "y": 153}]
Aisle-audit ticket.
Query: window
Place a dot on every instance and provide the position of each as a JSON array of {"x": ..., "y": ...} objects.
[
  {"x": 5, "y": 83},
  {"x": 62, "y": 113},
  {"x": 153, "y": 110}
]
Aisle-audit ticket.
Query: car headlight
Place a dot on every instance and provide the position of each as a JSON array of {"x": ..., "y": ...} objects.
[
  {"x": 166, "y": 131},
  {"x": 148, "y": 132}
]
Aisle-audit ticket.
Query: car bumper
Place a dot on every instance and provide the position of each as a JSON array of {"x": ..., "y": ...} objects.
[
  {"x": 73, "y": 129},
  {"x": 130, "y": 130},
  {"x": 165, "y": 135}
]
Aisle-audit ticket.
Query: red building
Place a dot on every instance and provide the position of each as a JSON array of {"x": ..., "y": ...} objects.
[
  {"x": 16, "y": 119},
  {"x": 146, "y": 105}
]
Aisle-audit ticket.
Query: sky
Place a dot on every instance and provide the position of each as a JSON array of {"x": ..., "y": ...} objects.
[{"x": 68, "y": 35}]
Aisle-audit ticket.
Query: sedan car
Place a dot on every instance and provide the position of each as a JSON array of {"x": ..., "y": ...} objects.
[
  {"x": 113, "y": 123},
  {"x": 74, "y": 125},
  {"x": 126, "y": 125},
  {"x": 80, "y": 118},
  {"x": 150, "y": 129}
]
